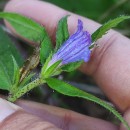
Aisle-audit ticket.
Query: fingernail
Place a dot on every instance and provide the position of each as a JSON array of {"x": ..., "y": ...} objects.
[{"x": 7, "y": 108}]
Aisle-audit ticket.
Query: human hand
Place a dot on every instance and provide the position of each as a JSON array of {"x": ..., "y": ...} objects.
[{"x": 109, "y": 66}]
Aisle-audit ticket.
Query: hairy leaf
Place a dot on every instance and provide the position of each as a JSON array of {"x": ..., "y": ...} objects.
[
  {"x": 7, "y": 50},
  {"x": 16, "y": 77},
  {"x": 72, "y": 66},
  {"x": 5, "y": 81},
  {"x": 46, "y": 48},
  {"x": 62, "y": 33},
  {"x": 46, "y": 64},
  {"x": 52, "y": 69},
  {"x": 24, "y": 26},
  {"x": 26, "y": 80},
  {"x": 105, "y": 27},
  {"x": 16, "y": 74},
  {"x": 70, "y": 90}
]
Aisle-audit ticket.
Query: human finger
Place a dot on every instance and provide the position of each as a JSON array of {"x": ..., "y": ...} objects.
[
  {"x": 65, "y": 119},
  {"x": 13, "y": 117}
]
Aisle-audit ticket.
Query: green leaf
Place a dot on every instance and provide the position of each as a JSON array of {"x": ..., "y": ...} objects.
[
  {"x": 62, "y": 33},
  {"x": 70, "y": 90},
  {"x": 51, "y": 70},
  {"x": 24, "y": 26},
  {"x": 5, "y": 81},
  {"x": 7, "y": 50},
  {"x": 46, "y": 64},
  {"x": 46, "y": 48},
  {"x": 72, "y": 66},
  {"x": 104, "y": 28},
  {"x": 16, "y": 74},
  {"x": 26, "y": 80},
  {"x": 57, "y": 72},
  {"x": 16, "y": 77}
]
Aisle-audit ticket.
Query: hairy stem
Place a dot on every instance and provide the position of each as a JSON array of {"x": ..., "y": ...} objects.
[{"x": 25, "y": 89}]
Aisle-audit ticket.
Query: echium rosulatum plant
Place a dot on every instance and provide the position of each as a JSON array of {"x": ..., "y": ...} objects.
[{"x": 69, "y": 53}]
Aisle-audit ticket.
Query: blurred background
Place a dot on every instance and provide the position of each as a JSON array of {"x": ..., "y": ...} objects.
[{"x": 100, "y": 11}]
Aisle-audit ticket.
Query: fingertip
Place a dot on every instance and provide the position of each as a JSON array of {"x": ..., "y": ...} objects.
[
  {"x": 7, "y": 108},
  {"x": 12, "y": 117},
  {"x": 22, "y": 120}
]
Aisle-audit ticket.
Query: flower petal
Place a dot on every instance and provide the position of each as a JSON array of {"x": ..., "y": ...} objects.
[
  {"x": 72, "y": 46},
  {"x": 73, "y": 37},
  {"x": 82, "y": 55}
]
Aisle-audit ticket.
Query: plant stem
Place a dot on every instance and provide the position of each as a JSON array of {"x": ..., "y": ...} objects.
[{"x": 25, "y": 89}]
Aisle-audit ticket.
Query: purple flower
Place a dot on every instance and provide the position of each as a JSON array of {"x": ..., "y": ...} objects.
[{"x": 76, "y": 48}]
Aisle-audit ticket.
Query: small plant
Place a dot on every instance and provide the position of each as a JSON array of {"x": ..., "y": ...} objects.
[{"x": 68, "y": 54}]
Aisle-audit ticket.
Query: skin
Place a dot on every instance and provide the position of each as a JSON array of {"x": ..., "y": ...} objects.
[{"x": 109, "y": 66}]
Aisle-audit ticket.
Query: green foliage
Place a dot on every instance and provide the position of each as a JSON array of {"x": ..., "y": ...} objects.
[
  {"x": 26, "y": 80},
  {"x": 46, "y": 48},
  {"x": 7, "y": 50},
  {"x": 51, "y": 69},
  {"x": 62, "y": 33},
  {"x": 16, "y": 74},
  {"x": 46, "y": 64},
  {"x": 107, "y": 26},
  {"x": 16, "y": 77},
  {"x": 72, "y": 66},
  {"x": 24, "y": 26},
  {"x": 70, "y": 90},
  {"x": 5, "y": 81}
]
